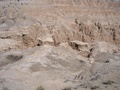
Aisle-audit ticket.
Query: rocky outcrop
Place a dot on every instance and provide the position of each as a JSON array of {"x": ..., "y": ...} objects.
[
  {"x": 90, "y": 50},
  {"x": 59, "y": 44},
  {"x": 87, "y": 21}
]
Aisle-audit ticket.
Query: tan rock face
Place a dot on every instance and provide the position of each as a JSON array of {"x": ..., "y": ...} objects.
[
  {"x": 59, "y": 44},
  {"x": 87, "y": 21}
]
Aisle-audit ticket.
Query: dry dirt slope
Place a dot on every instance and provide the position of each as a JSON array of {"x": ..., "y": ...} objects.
[
  {"x": 87, "y": 21},
  {"x": 60, "y": 44}
]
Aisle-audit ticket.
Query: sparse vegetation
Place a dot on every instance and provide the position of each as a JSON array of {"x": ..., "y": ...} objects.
[
  {"x": 108, "y": 82},
  {"x": 95, "y": 87},
  {"x": 14, "y": 57},
  {"x": 67, "y": 88},
  {"x": 40, "y": 88}
]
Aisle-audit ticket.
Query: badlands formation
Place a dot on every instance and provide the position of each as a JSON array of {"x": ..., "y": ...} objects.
[{"x": 59, "y": 44}]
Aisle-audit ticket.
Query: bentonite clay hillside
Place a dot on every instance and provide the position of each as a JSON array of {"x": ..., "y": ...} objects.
[{"x": 59, "y": 44}]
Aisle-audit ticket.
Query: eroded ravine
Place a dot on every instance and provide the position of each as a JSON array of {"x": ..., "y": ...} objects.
[{"x": 59, "y": 44}]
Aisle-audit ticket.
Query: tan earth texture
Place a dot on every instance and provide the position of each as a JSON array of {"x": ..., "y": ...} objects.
[{"x": 59, "y": 44}]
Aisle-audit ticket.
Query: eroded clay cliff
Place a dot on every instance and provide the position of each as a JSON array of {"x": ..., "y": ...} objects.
[{"x": 59, "y": 44}]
